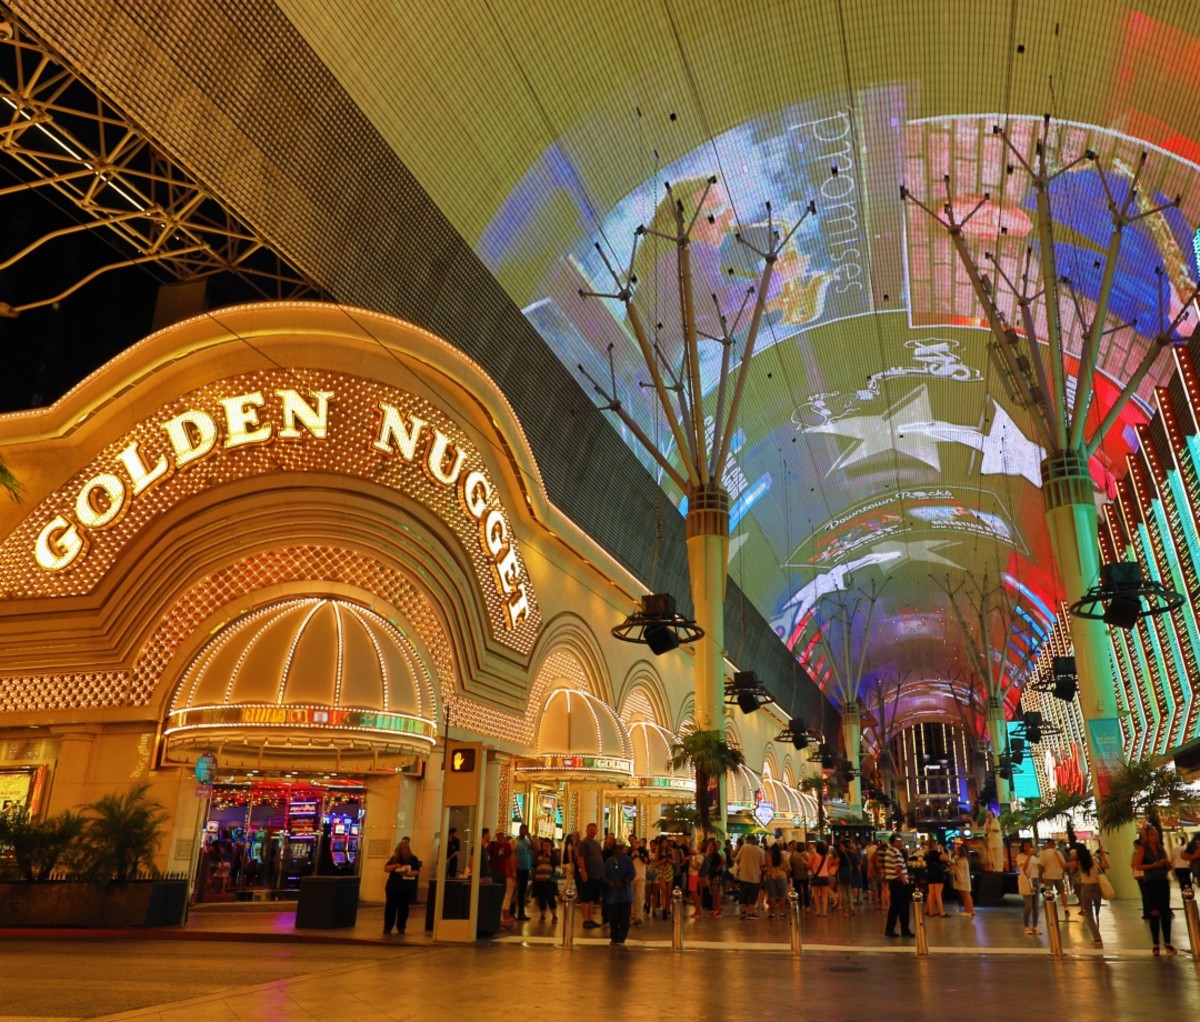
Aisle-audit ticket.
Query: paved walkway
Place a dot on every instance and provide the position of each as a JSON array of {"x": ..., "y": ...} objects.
[{"x": 991, "y": 931}]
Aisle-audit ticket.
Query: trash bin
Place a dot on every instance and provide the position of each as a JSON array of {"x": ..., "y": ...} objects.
[
  {"x": 327, "y": 903},
  {"x": 990, "y": 892},
  {"x": 458, "y": 905}
]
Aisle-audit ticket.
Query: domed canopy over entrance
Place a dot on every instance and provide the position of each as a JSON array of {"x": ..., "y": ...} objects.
[
  {"x": 652, "y": 770},
  {"x": 310, "y": 681},
  {"x": 790, "y": 803},
  {"x": 579, "y": 738}
]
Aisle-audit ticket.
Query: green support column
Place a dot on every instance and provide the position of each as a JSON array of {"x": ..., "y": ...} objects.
[
  {"x": 708, "y": 556},
  {"x": 851, "y": 736},
  {"x": 1068, "y": 493},
  {"x": 998, "y": 735}
]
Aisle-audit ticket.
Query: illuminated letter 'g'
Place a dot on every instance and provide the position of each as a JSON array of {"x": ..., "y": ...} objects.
[
  {"x": 476, "y": 493},
  {"x": 58, "y": 544},
  {"x": 92, "y": 516}
]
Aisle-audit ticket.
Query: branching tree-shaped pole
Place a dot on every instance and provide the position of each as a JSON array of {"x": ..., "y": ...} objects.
[
  {"x": 702, "y": 439},
  {"x": 970, "y": 707},
  {"x": 1030, "y": 279},
  {"x": 881, "y": 701},
  {"x": 843, "y": 623},
  {"x": 984, "y": 614}
]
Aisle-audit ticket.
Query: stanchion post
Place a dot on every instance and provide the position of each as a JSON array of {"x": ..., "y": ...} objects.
[
  {"x": 677, "y": 920},
  {"x": 1192, "y": 914},
  {"x": 570, "y": 896},
  {"x": 1052, "y": 922},
  {"x": 919, "y": 917},
  {"x": 794, "y": 922}
]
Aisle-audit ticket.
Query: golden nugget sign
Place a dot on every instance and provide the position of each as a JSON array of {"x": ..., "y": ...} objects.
[{"x": 259, "y": 417}]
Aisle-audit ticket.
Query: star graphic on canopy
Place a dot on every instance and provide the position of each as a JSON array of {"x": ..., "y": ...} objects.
[
  {"x": 876, "y": 434},
  {"x": 918, "y": 550},
  {"x": 1005, "y": 449}
]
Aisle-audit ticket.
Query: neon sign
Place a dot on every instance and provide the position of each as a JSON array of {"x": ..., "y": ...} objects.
[{"x": 260, "y": 417}]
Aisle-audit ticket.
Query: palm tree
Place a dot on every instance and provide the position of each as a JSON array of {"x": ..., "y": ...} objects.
[
  {"x": 710, "y": 756},
  {"x": 1049, "y": 807},
  {"x": 1142, "y": 789},
  {"x": 121, "y": 834},
  {"x": 10, "y": 484},
  {"x": 37, "y": 846}
]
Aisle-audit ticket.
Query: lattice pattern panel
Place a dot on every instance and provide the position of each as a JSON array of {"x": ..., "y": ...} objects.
[{"x": 85, "y": 690}]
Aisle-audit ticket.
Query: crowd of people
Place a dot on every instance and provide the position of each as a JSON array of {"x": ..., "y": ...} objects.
[
  {"x": 622, "y": 882},
  {"x": 752, "y": 876}
]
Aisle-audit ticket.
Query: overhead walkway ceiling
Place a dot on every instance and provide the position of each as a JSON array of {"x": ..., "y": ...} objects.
[{"x": 458, "y": 163}]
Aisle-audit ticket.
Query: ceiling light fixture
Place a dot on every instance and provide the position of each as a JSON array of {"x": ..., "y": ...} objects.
[
  {"x": 658, "y": 625},
  {"x": 746, "y": 693},
  {"x": 1118, "y": 599}
]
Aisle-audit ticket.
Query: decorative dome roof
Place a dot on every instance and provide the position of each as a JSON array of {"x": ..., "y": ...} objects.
[
  {"x": 790, "y": 801},
  {"x": 580, "y": 735},
  {"x": 740, "y": 786},
  {"x": 312, "y": 677},
  {"x": 652, "y": 768}
]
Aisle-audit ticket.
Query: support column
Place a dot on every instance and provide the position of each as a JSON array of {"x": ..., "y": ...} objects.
[
  {"x": 380, "y": 833},
  {"x": 491, "y": 800},
  {"x": 998, "y": 734},
  {"x": 708, "y": 557},
  {"x": 1067, "y": 491},
  {"x": 851, "y": 737}
]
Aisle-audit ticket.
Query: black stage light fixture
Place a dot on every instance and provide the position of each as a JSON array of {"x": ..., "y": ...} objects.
[
  {"x": 1123, "y": 596},
  {"x": 657, "y": 624},
  {"x": 660, "y": 638},
  {"x": 746, "y": 693},
  {"x": 1065, "y": 688},
  {"x": 1033, "y": 726},
  {"x": 1004, "y": 767},
  {"x": 1066, "y": 684},
  {"x": 1123, "y": 611},
  {"x": 1016, "y": 748},
  {"x": 797, "y": 733}
]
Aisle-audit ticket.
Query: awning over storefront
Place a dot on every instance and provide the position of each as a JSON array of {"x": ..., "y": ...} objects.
[
  {"x": 581, "y": 739},
  {"x": 743, "y": 788},
  {"x": 791, "y": 805},
  {"x": 653, "y": 774},
  {"x": 311, "y": 681}
]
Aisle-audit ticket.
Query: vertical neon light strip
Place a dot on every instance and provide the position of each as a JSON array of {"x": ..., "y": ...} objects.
[{"x": 1181, "y": 663}]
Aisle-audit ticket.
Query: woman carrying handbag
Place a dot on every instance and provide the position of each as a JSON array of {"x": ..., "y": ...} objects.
[
  {"x": 1028, "y": 872},
  {"x": 1091, "y": 884}
]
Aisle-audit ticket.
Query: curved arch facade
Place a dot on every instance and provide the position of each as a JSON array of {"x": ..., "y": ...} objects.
[{"x": 340, "y": 456}]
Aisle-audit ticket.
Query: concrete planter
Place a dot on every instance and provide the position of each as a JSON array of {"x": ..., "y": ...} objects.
[{"x": 139, "y": 903}]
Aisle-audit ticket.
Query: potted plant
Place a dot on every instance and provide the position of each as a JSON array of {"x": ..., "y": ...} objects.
[
  {"x": 121, "y": 834},
  {"x": 107, "y": 853},
  {"x": 38, "y": 845}
]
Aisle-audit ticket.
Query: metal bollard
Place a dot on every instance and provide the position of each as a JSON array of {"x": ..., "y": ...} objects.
[
  {"x": 1052, "y": 922},
  {"x": 1192, "y": 914},
  {"x": 794, "y": 922},
  {"x": 919, "y": 915},
  {"x": 570, "y": 896},
  {"x": 677, "y": 920}
]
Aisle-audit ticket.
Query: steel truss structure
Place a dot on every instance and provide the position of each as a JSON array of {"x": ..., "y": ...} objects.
[{"x": 59, "y": 135}]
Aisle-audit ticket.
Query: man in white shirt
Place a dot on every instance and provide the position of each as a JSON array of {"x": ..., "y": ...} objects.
[
  {"x": 748, "y": 868},
  {"x": 1052, "y": 864}
]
